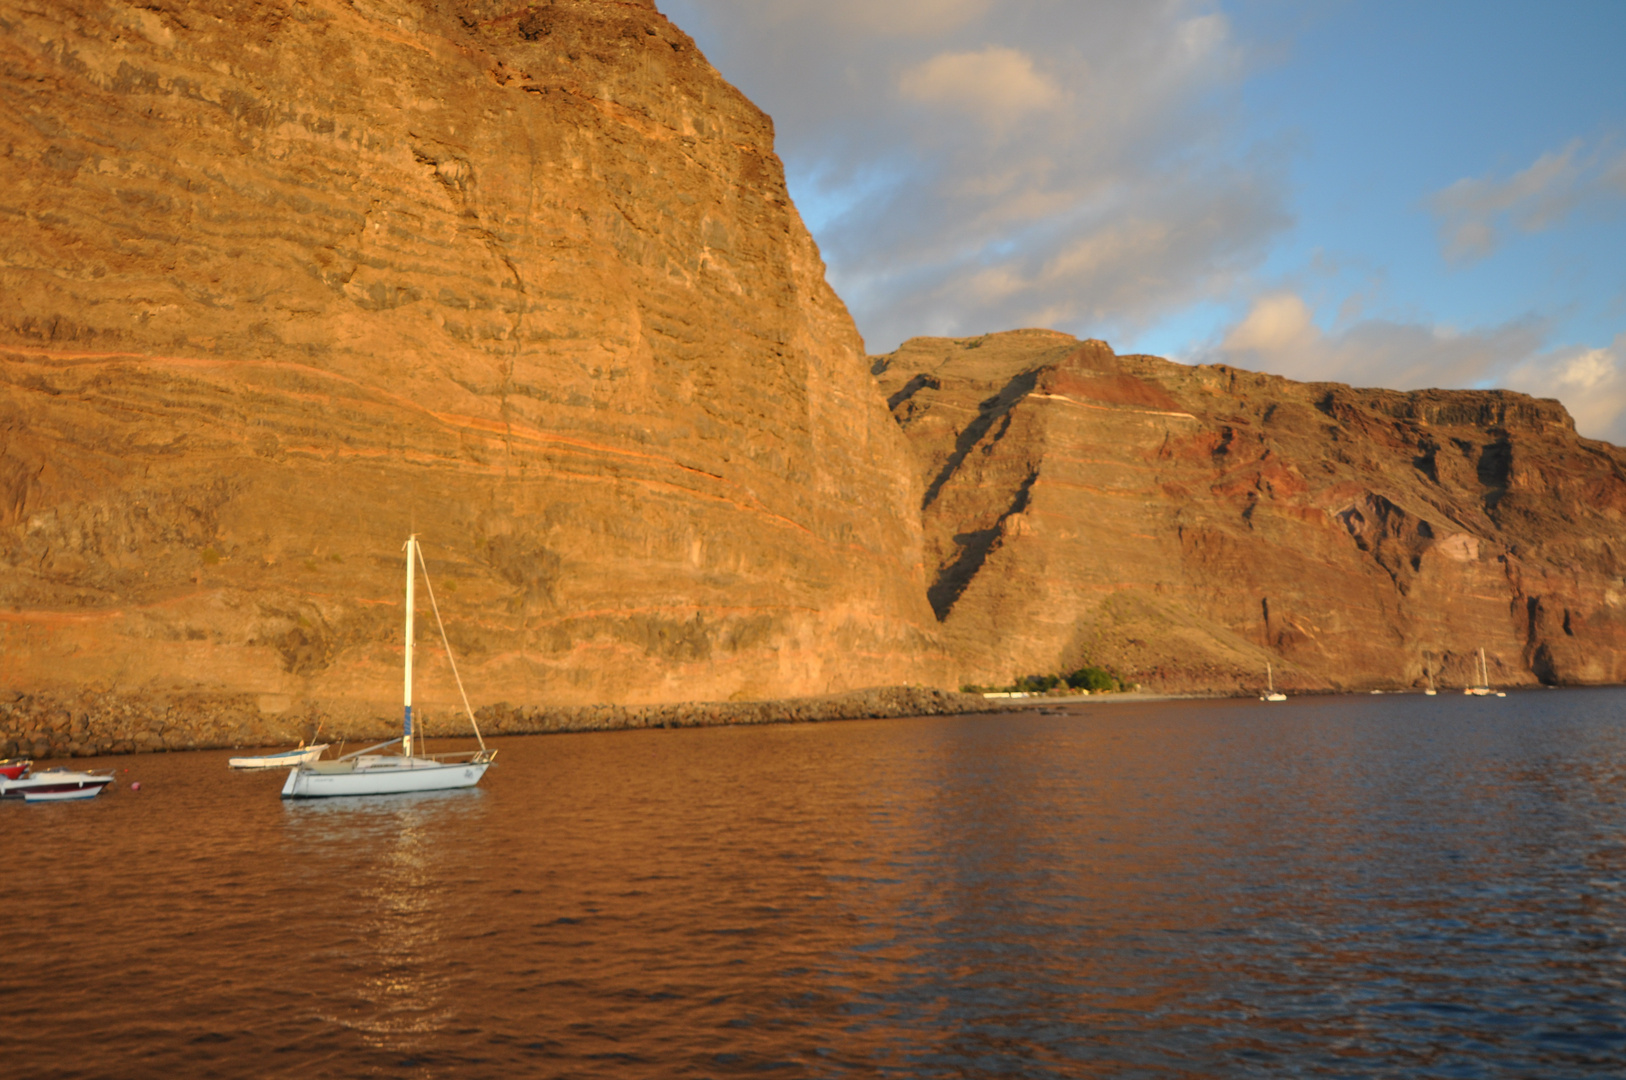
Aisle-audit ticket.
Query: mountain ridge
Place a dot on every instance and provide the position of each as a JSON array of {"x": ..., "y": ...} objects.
[{"x": 1380, "y": 501}]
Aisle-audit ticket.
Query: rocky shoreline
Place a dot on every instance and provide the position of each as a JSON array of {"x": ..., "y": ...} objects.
[{"x": 45, "y": 727}]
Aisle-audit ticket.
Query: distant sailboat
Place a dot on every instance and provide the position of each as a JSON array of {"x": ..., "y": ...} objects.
[
  {"x": 1484, "y": 687},
  {"x": 364, "y": 772},
  {"x": 1430, "y": 692},
  {"x": 1271, "y": 693}
]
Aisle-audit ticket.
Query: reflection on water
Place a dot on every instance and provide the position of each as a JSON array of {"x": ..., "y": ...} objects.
[
  {"x": 1343, "y": 887},
  {"x": 340, "y": 819},
  {"x": 380, "y": 852}
]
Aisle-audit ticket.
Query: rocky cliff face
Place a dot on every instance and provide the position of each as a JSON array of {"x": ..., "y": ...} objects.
[
  {"x": 282, "y": 283},
  {"x": 1187, "y": 525}
]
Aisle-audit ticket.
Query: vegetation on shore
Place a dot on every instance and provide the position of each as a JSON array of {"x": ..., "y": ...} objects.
[{"x": 1086, "y": 680}]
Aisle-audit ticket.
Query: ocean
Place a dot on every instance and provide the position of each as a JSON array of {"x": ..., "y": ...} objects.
[{"x": 1337, "y": 886}]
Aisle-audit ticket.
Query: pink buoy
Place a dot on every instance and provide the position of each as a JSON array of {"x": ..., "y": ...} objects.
[{"x": 136, "y": 786}]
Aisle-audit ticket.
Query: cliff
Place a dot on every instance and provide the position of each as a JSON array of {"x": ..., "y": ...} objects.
[
  {"x": 1186, "y": 525},
  {"x": 280, "y": 284}
]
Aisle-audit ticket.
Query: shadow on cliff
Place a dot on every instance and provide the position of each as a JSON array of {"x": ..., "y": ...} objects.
[
  {"x": 989, "y": 412},
  {"x": 975, "y": 548}
]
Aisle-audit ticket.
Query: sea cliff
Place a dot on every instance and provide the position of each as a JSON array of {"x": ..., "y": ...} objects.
[
  {"x": 1186, "y": 525},
  {"x": 526, "y": 281},
  {"x": 523, "y": 280}
]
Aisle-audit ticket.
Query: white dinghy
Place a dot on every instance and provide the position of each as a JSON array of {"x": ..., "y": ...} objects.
[
  {"x": 366, "y": 772},
  {"x": 281, "y": 760}
]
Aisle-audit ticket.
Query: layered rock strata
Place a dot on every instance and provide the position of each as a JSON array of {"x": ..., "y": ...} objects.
[
  {"x": 1187, "y": 525},
  {"x": 280, "y": 284}
]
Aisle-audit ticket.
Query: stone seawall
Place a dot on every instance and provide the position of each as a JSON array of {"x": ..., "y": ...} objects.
[
  {"x": 875, "y": 703},
  {"x": 97, "y": 724}
]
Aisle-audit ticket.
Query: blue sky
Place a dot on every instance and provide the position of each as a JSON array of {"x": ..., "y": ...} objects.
[{"x": 1383, "y": 194}]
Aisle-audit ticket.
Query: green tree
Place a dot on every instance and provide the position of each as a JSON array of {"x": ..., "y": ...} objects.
[{"x": 1093, "y": 679}]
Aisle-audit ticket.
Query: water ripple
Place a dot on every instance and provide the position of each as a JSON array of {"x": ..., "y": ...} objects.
[{"x": 1326, "y": 888}]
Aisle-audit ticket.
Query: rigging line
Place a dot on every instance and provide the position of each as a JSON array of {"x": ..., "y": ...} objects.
[{"x": 449, "y": 657}]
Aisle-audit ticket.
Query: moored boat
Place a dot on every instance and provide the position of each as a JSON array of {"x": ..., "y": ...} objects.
[
  {"x": 55, "y": 785},
  {"x": 283, "y": 760},
  {"x": 386, "y": 774},
  {"x": 1271, "y": 693},
  {"x": 1484, "y": 688},
  {"x": 365, "y": 772}
]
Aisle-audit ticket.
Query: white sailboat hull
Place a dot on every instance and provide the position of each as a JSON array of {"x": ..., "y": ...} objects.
[{"x": 380, "y": 776}]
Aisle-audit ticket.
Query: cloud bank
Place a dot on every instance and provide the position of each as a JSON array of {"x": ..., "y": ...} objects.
[
  {"x": 968, "y": 167},
  {"x": 978, "y": 165},
  {"x": 1474, "y": 213},
  {"x": 1279, "y": 335}
]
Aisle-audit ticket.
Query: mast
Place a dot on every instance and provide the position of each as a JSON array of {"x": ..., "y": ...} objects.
[
  {"x": 1270, "y": 681},
  {"x": 406, "y": 723},
  {"x": 1484, "y": 673}
]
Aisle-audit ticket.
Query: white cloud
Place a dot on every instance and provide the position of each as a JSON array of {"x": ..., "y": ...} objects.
[
  {"x": 1278, "y": 324},
  {"x": 1590, "y": 382},
  {"x": 903, "y": 18},
  {"x": 1473, "y": 213},
  {"x": 971, "y": 166},
  {"x": 1084, "y": 170},
  {"x": 1279, "y": 335},
  {"x": 995, "y": 84}
]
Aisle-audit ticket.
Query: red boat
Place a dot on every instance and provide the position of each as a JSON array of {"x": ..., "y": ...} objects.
[{"x": 13, "y": 767}]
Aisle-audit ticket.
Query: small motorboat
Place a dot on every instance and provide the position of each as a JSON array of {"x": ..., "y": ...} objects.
[
  {"x": 55, "y": 785},
  {"x": 13, "y": 767},
  {"x": 287, "y": 759}
]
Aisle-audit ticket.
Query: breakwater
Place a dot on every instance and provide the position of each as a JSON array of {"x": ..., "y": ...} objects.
[{"x": 47, "y": 726}]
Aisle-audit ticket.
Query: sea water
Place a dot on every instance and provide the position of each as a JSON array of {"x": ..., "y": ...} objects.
[{"x": 1351, "y": 887}]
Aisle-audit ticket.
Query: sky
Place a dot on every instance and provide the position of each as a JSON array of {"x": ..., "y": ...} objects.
[{"x": 1383, "y": 194}]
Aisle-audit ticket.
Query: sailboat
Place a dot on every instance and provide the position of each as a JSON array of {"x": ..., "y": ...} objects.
[
  {"x": 1271, "y": 693},
  {"x": 1430, "y": 692},
  {"x": 367, "y": 772},
  {"x": 1484, "y": 687}
]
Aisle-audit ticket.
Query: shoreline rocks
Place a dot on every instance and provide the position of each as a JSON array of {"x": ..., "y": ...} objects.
[{"x": 101, "y": 724}]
